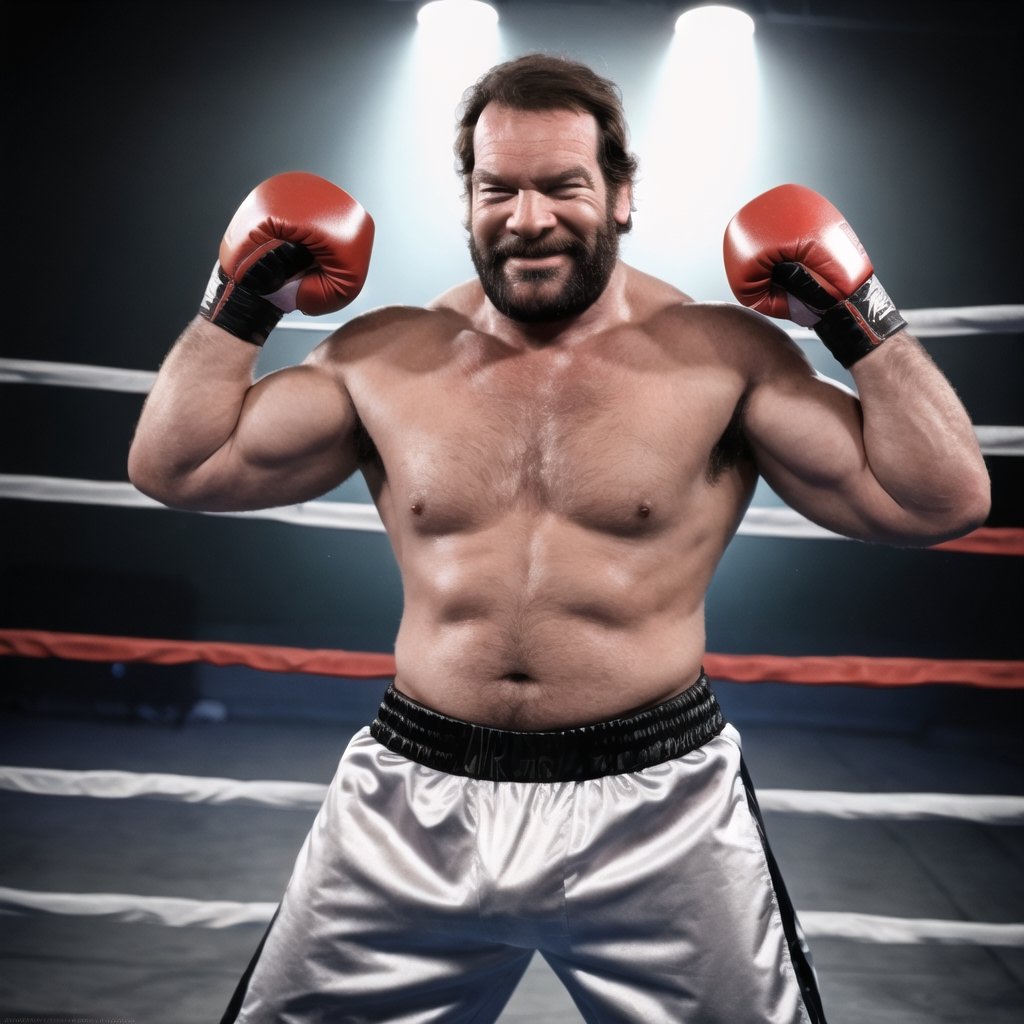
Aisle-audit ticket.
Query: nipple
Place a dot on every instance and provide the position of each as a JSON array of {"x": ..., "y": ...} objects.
[
  {"x": 416, "y": 507},
  {"x": 643, "y": 511}
]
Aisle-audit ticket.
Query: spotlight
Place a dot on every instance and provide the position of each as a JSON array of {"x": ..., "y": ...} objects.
[
  {"x": 457, "y": 14},
  {"x": 716, "y": 23}
]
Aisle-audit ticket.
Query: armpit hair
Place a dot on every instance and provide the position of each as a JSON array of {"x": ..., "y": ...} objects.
[
  {"x": 366, "y": 450},
  {"x": 731, "y": 448}
]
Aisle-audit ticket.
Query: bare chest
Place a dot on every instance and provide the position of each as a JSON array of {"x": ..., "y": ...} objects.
[{"x": 613, "y": 446}]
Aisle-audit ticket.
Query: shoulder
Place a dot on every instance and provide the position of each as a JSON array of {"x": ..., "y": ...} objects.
[
  {"x": 730, "y": 333},
  {"x": 386, "y": 330},
  {"x": 658, "y": 304}
]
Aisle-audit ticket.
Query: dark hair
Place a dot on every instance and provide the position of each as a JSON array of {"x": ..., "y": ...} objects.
[{"x": 538, "y": 81}]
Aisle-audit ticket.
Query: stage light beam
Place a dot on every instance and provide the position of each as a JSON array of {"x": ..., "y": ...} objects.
[{"x": 700, "y": 142}]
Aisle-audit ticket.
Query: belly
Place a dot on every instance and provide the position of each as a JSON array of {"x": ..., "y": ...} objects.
[{"x": 542, "y": 623}]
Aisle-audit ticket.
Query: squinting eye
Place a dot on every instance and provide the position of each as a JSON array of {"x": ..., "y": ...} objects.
[{"x": 568, "y": 190}]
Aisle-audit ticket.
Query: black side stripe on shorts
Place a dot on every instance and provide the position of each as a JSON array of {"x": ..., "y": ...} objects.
[
  {"x": 798, "y": 950},
  {"x": 235, "y": 1006}
]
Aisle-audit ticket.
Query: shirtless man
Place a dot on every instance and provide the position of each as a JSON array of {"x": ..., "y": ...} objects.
[{"x": 560, "y": 451}]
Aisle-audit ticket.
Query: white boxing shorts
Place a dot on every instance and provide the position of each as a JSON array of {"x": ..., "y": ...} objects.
[{"x": 630, "y": 854}]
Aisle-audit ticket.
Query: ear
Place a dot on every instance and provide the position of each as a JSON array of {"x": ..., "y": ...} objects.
[{"x": 623, "y": 205}]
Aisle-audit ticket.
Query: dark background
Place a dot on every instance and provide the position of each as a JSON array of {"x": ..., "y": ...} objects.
[{"x": 134, "y": 130}]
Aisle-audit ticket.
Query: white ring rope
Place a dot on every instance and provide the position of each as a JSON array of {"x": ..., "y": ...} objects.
[
  {"x": 165, "y": 910},
  {"x": 186, "y": 788},
  {"x": 76, "y": 375},
  {"x": 338, "y": 515},
  {"x": 988, "y": 810},
  {"x": 335, "y": 515},
  {"x": 185, "y": 913},
  {"x": 824, "y": 924},
  {"x": 942, "y": 322},
  {"x": 1000, "y": 440},
  {"x": 177, "y": 912},
  {"x": 960, "y": 321}
]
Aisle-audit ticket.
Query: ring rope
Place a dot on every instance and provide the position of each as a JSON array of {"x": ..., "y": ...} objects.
[
  {"x": 907, "y": 931},
  {"x": 338, "y": 515},
  {"x": 942, "y": 322},
  {"x": 76, "y": 375},
  {"x": 979, "y": 808},
  {"x": 994, "y": 440},
  {"x": 186, "y": 913},
  {"x": 939, "y": 322},
  {"x": 191, "y": 789},
  {"x": 306, "y": 796},
  {"x": 166, "y": 910},
  {"x": 741, "y": 668},
  {"x": 342, "y": 515}
]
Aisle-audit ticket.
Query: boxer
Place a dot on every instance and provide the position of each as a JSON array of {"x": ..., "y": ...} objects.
[{"x": 560, "y": 450}]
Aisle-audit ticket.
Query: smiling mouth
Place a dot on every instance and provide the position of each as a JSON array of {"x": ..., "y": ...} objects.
[
  {"x": 546, "y": 260},
  {"x": 534, "y": 272}
]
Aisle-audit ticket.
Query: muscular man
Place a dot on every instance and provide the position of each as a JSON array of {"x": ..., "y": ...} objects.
[{"x": 560, "y": 451}]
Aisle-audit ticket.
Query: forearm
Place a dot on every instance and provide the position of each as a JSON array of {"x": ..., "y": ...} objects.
[
  {"x": 918, "y": 439},
  {"x": 191, "y": 411}
]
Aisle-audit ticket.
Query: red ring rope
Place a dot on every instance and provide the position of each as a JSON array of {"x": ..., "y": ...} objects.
[{"x": 743, "y": 668}]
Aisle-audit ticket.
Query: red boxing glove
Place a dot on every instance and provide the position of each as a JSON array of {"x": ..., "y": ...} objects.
[
  {"x": 296, "y": 242},
  {"x": 789, "y": 253}
]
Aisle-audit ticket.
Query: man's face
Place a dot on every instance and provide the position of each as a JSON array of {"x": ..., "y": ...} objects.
[{"x": 543, "y": 226}]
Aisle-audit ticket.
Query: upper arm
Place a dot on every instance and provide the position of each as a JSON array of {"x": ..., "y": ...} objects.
[
  {"x": 211, "y": 439},
  {"x": 294, "y": 439},
  {"x": 806, "y": 433}
]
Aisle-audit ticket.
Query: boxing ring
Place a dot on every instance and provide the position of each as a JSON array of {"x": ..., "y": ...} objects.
[{"x": 986, "y": 811}]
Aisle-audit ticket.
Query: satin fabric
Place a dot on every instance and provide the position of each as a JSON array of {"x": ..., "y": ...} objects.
[{"x": 420, "y": 896}]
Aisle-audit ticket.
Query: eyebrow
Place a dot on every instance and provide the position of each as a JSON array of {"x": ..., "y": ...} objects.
[{"x": 552, "y": 181}]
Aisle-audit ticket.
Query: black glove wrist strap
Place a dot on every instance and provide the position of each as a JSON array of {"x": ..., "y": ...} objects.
[
  {"x": 849, "y": 329},
  {"x": 240, "y": 307},
  {"x": 237, "y": 310}
]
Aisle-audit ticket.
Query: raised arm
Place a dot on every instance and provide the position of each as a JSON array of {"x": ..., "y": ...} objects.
[
  {"x": 209, "y": 437},
  {"x": 897, "y": 462}
]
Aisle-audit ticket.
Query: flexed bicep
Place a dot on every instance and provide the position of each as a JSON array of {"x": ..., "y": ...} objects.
[
  {"x": 900, "y": 463},
  {"x": 806, "y": 433},
  {"x": 294, "y": 440},
  {"x": 209, "y": 439}
]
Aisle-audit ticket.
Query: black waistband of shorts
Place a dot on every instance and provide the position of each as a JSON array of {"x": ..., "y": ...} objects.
[{"x": 615, "y": 747}]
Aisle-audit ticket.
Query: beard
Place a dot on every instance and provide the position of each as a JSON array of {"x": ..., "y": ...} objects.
[{"x": 592, "y": 267}]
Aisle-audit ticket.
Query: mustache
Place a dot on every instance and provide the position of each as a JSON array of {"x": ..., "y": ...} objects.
[{"x": 518, "y": 248}]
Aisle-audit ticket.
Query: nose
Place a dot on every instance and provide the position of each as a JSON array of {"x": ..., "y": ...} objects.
[{"x": 531, "y": 216}]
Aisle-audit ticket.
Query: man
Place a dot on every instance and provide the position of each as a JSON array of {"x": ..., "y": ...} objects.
[{"x": 560, "y": 451}]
